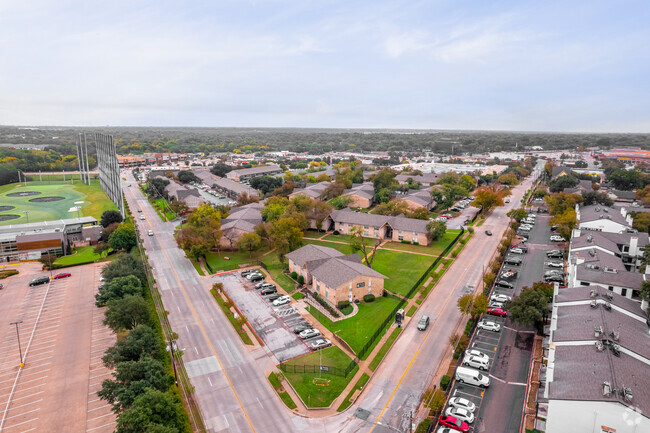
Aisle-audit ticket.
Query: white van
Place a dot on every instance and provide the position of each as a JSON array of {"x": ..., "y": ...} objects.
[{"x": 472, "y": 377}]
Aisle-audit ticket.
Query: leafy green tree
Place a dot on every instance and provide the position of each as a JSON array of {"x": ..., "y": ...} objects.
[
  {"x": 123, "y": 237},
  {"x": 266, "y": 184},
  {"x": 420, "y": 213},
  {"x": 245, "y": 199},
  {"x": 118, "y": 288},
  {"x": 566, "y": 222},
  {"x": 393, "y": 207},
  {"x": 341, "y": 201},
  {"x": 566, "y": 181},
  {"x": 273, "y": 211},
  {"x": 286, "y": 236},
  {"x": 595, "y": 197},
  {"x": 153, "y": 407},
  {"x": 220, "y": 169},
  {"x": 489, "y": 197},
  {"x": 641, "y": 222},
  {"x": 529, "y": 308},
  {"x": 156, "y": 187},
  {"x": 131, "y": 379},
  {"x": 109, "y": 217},
  {"x": 384, "y": 179},
  {"x": 466, "y": 181},
  {"x": 518, "y": 214},
  {"x": 627, "y": 180},
  {"x": 140, "y": 341},
  {"x": 249, "y": 242},
  {"x": 474, "y": 305},
  {"x": 359, "y": 242},
  {"x": 645, "y": 290},
  {"x": 509, "y": 179},
  {"x": 383, "y": 195},
  {"x": 560, "y": 202},
  {"x": 127, "y": 313},
  {"x": 436, "y": 230},
  {"x": 124, "y": 265},
  {"x": 449, "y": 178},
  {"x": 186, "y": 176}
]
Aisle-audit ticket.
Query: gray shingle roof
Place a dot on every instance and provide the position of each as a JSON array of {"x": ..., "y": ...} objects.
[
  {"x": 631, "y": 280},
  {"x": 426, "y": 178},
  {"x": 256, "y": 170},
  {"x": 396, "y": 222},
  {"x": 339, "y": 270},
  {"x": 362, "y": 189},
  {"x": 597, "y": 212},
  {"x": 583, "y": 293},
  {"x": 312, "y": 252},
  {"x": 313, "y": 190},
  {"x": 235, "y": 187}
]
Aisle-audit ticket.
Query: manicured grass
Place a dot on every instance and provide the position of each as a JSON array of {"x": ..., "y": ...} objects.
[
  {"x": 218, "y": 262},
  {"x": 237, "y": 324},
  {"x": 384, "y": 349},
  {"x": 95, "y": 201},
  {"x": 344, "y": 248},
  {"x": 411, "y": 311},
  {"x": 79, "y": 255},
  {"x": 163, "y": 206},
  {"x": 314, "y": 395},
  {"x": 276, "y": 269},
  {"x": 298, "y": 296},
  {"x": 311, "y": 234},
  {"x": 197, "y": 266},
  {"x": 357, "y": 386},
  {"x": 357, "y": 330},
  {"x": 277, "y": 385},
  {"x": 402, "y": 269},
  {"x": 6, "y": 273},
  {"x": 339, "y": 238}
]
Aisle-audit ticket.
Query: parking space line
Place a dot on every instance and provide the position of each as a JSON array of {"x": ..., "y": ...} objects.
[
  {"x": 20, "y": 423},
  {"x": 26, "y": 404},
  {"x": 95, "y": 428},
  {"x": 99, "y": 417},
  {"x": 24, "y": 413},
  {"x": 100, "y": 407}
]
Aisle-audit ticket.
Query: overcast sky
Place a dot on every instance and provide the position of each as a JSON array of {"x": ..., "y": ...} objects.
[{"x": 484, "y": 64}]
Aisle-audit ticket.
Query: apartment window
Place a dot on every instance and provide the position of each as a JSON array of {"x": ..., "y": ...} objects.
[
  {"x": 584, "y": 283},
  {"x": 400, "y": 238},
  {"x": 365, "y": 233},
  {"x": 415, "y": 234},
  {"x": 318, "y": 288},
  {"x": 359, "y": 285},
  {"x": 401, "y": 231},
  {"x": 376, "y": 228},
  {"x": 327, "y": 294},
  {"x": 376, "y": 234},
  {"x": 624, "y": 292},
  {"x": 610, "y": 288},
  {"x": 365, "y": 227}
]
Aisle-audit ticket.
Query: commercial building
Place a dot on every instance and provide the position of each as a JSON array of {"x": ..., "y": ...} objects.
[
  {"x": 30, "y": 241},
  {"x": 245, "y": 174},
  {"x": 631, "y": 154}
]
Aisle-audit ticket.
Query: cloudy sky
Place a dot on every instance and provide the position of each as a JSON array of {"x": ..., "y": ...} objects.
[{"x": 452, "y": 64}]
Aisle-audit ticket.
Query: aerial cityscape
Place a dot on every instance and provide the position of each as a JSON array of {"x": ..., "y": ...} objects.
[{"x": 300, "y": 217}]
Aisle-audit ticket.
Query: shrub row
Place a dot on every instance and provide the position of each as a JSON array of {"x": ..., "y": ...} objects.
[{"x": 325, "y": 304}]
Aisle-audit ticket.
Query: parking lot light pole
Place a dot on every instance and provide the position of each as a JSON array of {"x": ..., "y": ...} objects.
[{"x": 20, "y": 350}]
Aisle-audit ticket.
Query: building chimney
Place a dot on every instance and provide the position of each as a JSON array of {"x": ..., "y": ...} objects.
[{"x": 634, "y": 245}]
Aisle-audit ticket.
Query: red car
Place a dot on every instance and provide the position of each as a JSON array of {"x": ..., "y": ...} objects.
[
  {"x": 496, "y": 312},
  {"x": 454, "y": 423},
  {"x": 62, "y": 275},
  {"x": 520, "y": 246}
]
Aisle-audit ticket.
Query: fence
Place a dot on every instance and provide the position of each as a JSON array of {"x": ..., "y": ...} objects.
[{"x": 333, "y": 371}]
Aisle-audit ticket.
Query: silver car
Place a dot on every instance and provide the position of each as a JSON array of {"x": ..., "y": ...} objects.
[
  {"x": 309, "y": 333},
  {"x": 461, "y": 414},
  {"x": 462, "y": 403},
  {"x": 488, "y": 325}
]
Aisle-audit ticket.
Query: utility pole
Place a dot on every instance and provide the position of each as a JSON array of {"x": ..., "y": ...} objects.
[
  {"x": 20, "y": 350},
  {"x": 87, "y": 166}
]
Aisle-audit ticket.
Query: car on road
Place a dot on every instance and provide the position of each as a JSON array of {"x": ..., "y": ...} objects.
[
  {"x": 555, "y": 264},
  {"x": 488, "y": 232},
  {"x": 500, "y": 298},
  {"x": 150, "y": 232},
  {"x": 62, "y": 275},
  {"x": 462, "y": 403},
  {"x": 489, "y": 325},
  {"x": 497, "y": 312},
  {"x": 268, "y": 291},
  {"x": 554, "y": 254},
  {"x": 423, "y": 323},
  {"x": 298, "y": 329},
  {"x": 512, "y": 261},
  {"x": 453, "y": 422},
  {"x": 504, "y": 283},
  {"x": 309, "y": 333},
  {"x": 39, "y": 280},
  {"x": 284, "y": 299},
  {"x": 142, "y": 217},
  {"x": 557, "y": 238},
  {"x": 460, "y": 413},
  {"x": 321, "y": 343},
  {"x": 476, "y": 362},
  {"x": 139, "y": 210},
  {"x": 517, "y": 251}
]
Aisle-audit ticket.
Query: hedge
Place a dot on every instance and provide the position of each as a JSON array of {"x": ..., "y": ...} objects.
[
  {"x": 444, "y": 382},
  {"x": 369, "y": 297}
]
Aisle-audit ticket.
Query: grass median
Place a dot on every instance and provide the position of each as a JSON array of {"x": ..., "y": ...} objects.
[
  {"x": 357, "y": 387},
  {"x": 237, "y": 323},
  {"x": 384, "y": 349},
  {"x": 277, "y": 385}
]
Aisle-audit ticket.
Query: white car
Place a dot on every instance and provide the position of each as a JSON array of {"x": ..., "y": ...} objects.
[
  {"x": 476, "y": 362},
  {"x": 500, "y": 298},
  {"x": 284, "y": 299},
  {"x": 150, "y": 232},
  {"x": 557, "y": 238},
  {"x": 517, "y": 251},
  {"x": 495, "y": 304},
  {"x": 461, "y": 414},
  {"x": 488, "y": 325},
  {"x": 141, "y": 217},
  {"x": 320, "y": 344},
  {"x": 526, "y": 226},
  {"x": 309, "y": 333},
  {"x": 253, "y": 274},
  {"x": 462, "y": 403},
  {"x": 555, "y": 264},
  {"x": 477, "y": 354}
]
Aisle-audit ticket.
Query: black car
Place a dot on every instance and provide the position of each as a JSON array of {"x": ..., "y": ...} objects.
[
  {"x": 554, "y": 254},
  {"x": 258, "y": 277},
  {"x": 298, "y": 329},
  {"x": 554, "y": 279},
  {"x": 246, "y": 272},
  {"x": 268, "y": 291},
  {"x": 39, "y": 281},
  {"x": 503, "y": 283},
  {"x": 273, "y": 296},
  {"x": 267, "y": 286},
  {"x": 512, "y": 261},
  {"x": 553, "y": 228}
]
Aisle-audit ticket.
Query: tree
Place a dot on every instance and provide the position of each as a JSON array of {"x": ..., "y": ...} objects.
[
  {"x": 595, "y": 197},
  {"x": 529, "y": 308},
  {"x": 126, "y": 313},
  {"x": 285, "y": 190},
  {"x": 140, "y": 341},
  {"x": 566, "y": 222},
  {"x": 566, "y": 181},
  {"x": 286, "y": 236},
  {"x": 436, "y": 230},
  {"x": 220, "y": 169},
  {"x": 131, "y": 379},
  {"x": 518, "y": 214},
  {"x": 118, "y": 288},
  {"x": 318, "y": 212},
  {"x": 153, "y": 407},
  {"x": 420, "y": 213},
  {"x": 560, "y": 202},
  {"x": 108, "y": 231},
  {"x": 641, "y": 222},
  {"x": 156, "y": 187},
  {"x": 466, "y": 181},
  {"x": 627, "y": 180},
  {"x": 488, "y": 197},
  {"x": 245, "y": 199},
  {"x": 509, "y": 179},
  {"x": 123, "y": 237},
  {"x": 393, "y": 207},
  {"x": 359, "y": 243},
  {"x": 341, "y": 202},
  {"x": 193, "y": 242},
  {"x": 384, "y": 179},
  {"x": 335, "y": 189},
  {"x": 323, "y": 178},
  {"x": 109, "y": 217},
  {"x": 449, "y": 178},
  {"x": 101, "y": 248},
  {"x": 186, "y": 176},
  {"x": 275, "y": 208},
  {"x": 249, "y": 242},
  {"x": 645, "y": 290},
  {"x": 474, "y": 305},
  {"x": 643, "y": 195},
  {"x": 266, "y": 184},
  {"x": 123, "y": 266},
  {"x": 383, "y": 195}
]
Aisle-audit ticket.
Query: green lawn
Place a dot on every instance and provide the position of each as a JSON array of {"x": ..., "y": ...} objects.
[
  {"x": 311, "y": 234},
  {"x": 218, "y": 262},
  {"x": 276, "y": 269},
  {"x": 402, "y": 269},
  {"x": 78, "y": 256},
  {"x": 315, "y": 395},
  {"x": 344, "y": 248},
  {"x": 238, "y": 323},
  {"x": 357, "y": 330},
  {"x": 384, "y": 349},
  {"x": 95, "y": 201},
  {"x": 277, "y": 385},
  {"x": 357, "y": 386},
  {"x": 340, "y": 238}
]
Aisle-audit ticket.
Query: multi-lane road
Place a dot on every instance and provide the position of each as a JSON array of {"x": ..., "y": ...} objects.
[{"x": 230, "y": 380}]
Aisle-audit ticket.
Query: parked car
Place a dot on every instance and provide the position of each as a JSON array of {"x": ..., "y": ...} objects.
[
  {"x": 503, "y": 283},
  {"x": 462, "y": 403},
  {"x": 246, "y": 272},
  {"x": 460, "y": 413},
  {"x": 488, "y": 232},
  {"x": 423, "y": 323},
  {"x": 441, "y": 219},
  {"x": 553, "y": 228},
  {"x": 509, "y": 274},
  {"x": 453, "y": 422},
  {"x": 298, "y": 329},
  {"x": 39, "y": 280},
  {"x": 554, "y": 279},
  {"x": 321, "y": 343},
  {"x": 555, "y": 264},
  {"x": 62, "y": 275},
  {"x": 477, "y": 354},
  {"x": 500, "y": 298},
  {"x": 446, "y": 215},
  {"x": 521, "y": 246},
  {"x": 282, "y": 300},
  {"x": 512, "y": 261},
  {"x": 554, "y": 254},
  {"x": 497, "y": 312},
  {"x": 262, "y": 284},
  {"x": 489, "y": 325},
  {"x": 495, "y": 304},
  {"x": 309, "y": 333},
  {"x": 517, "y": 251},
  {"x": 273, "y": 296},
  {"x": 255, "y": 277},
  {"x": 557, "y": 238},
  {"x": 268, "y": 291},
  {"x": 476, "y": 362}
]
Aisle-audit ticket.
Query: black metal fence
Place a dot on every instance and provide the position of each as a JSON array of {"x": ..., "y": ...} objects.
[{"x": 313, "y": 369}]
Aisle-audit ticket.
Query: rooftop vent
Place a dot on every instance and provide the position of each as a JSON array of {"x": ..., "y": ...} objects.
[
  {"x": 605, "y": 210},
  {"x": 608, "y": 306},
  {"x": 616, "y": 349},
  {"x": 599, "y": 346},
  {"x": 609, "y": 217},
  {"x": 593, "y": 303},
  {"x": 592, "y": 252},
  {"x": 615, "y": 335},
  {"x": 593, "y": 294},
  {"x": 610, "y": 270},
  {"x": 608, "y": 296},
  {"x": 598, "y": 331},
  {"x": 597, "y": 209},
  {"x": 590, "y": 238},
  {"x": 627, "y": 393},
  {"x": 607, "y": 389},
  {"x": 601, "y": 216}
]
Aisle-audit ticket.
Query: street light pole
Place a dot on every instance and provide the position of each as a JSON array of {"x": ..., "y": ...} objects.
[
  {"x": 20, "y": 350},
  {"x": 26, "y": 212}
]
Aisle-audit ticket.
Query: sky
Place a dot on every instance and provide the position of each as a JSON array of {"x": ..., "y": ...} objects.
[{"x": 565, "y": 66}]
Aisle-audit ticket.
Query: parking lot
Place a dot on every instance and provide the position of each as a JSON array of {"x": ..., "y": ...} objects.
[
  {"x": 500, "y": 406},
  {"x": 273, "y": 324},
  {"x": 60, "y": 334}
]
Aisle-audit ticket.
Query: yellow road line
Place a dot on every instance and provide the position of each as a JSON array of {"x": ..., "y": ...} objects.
[{"x": 198, "y": 321}]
